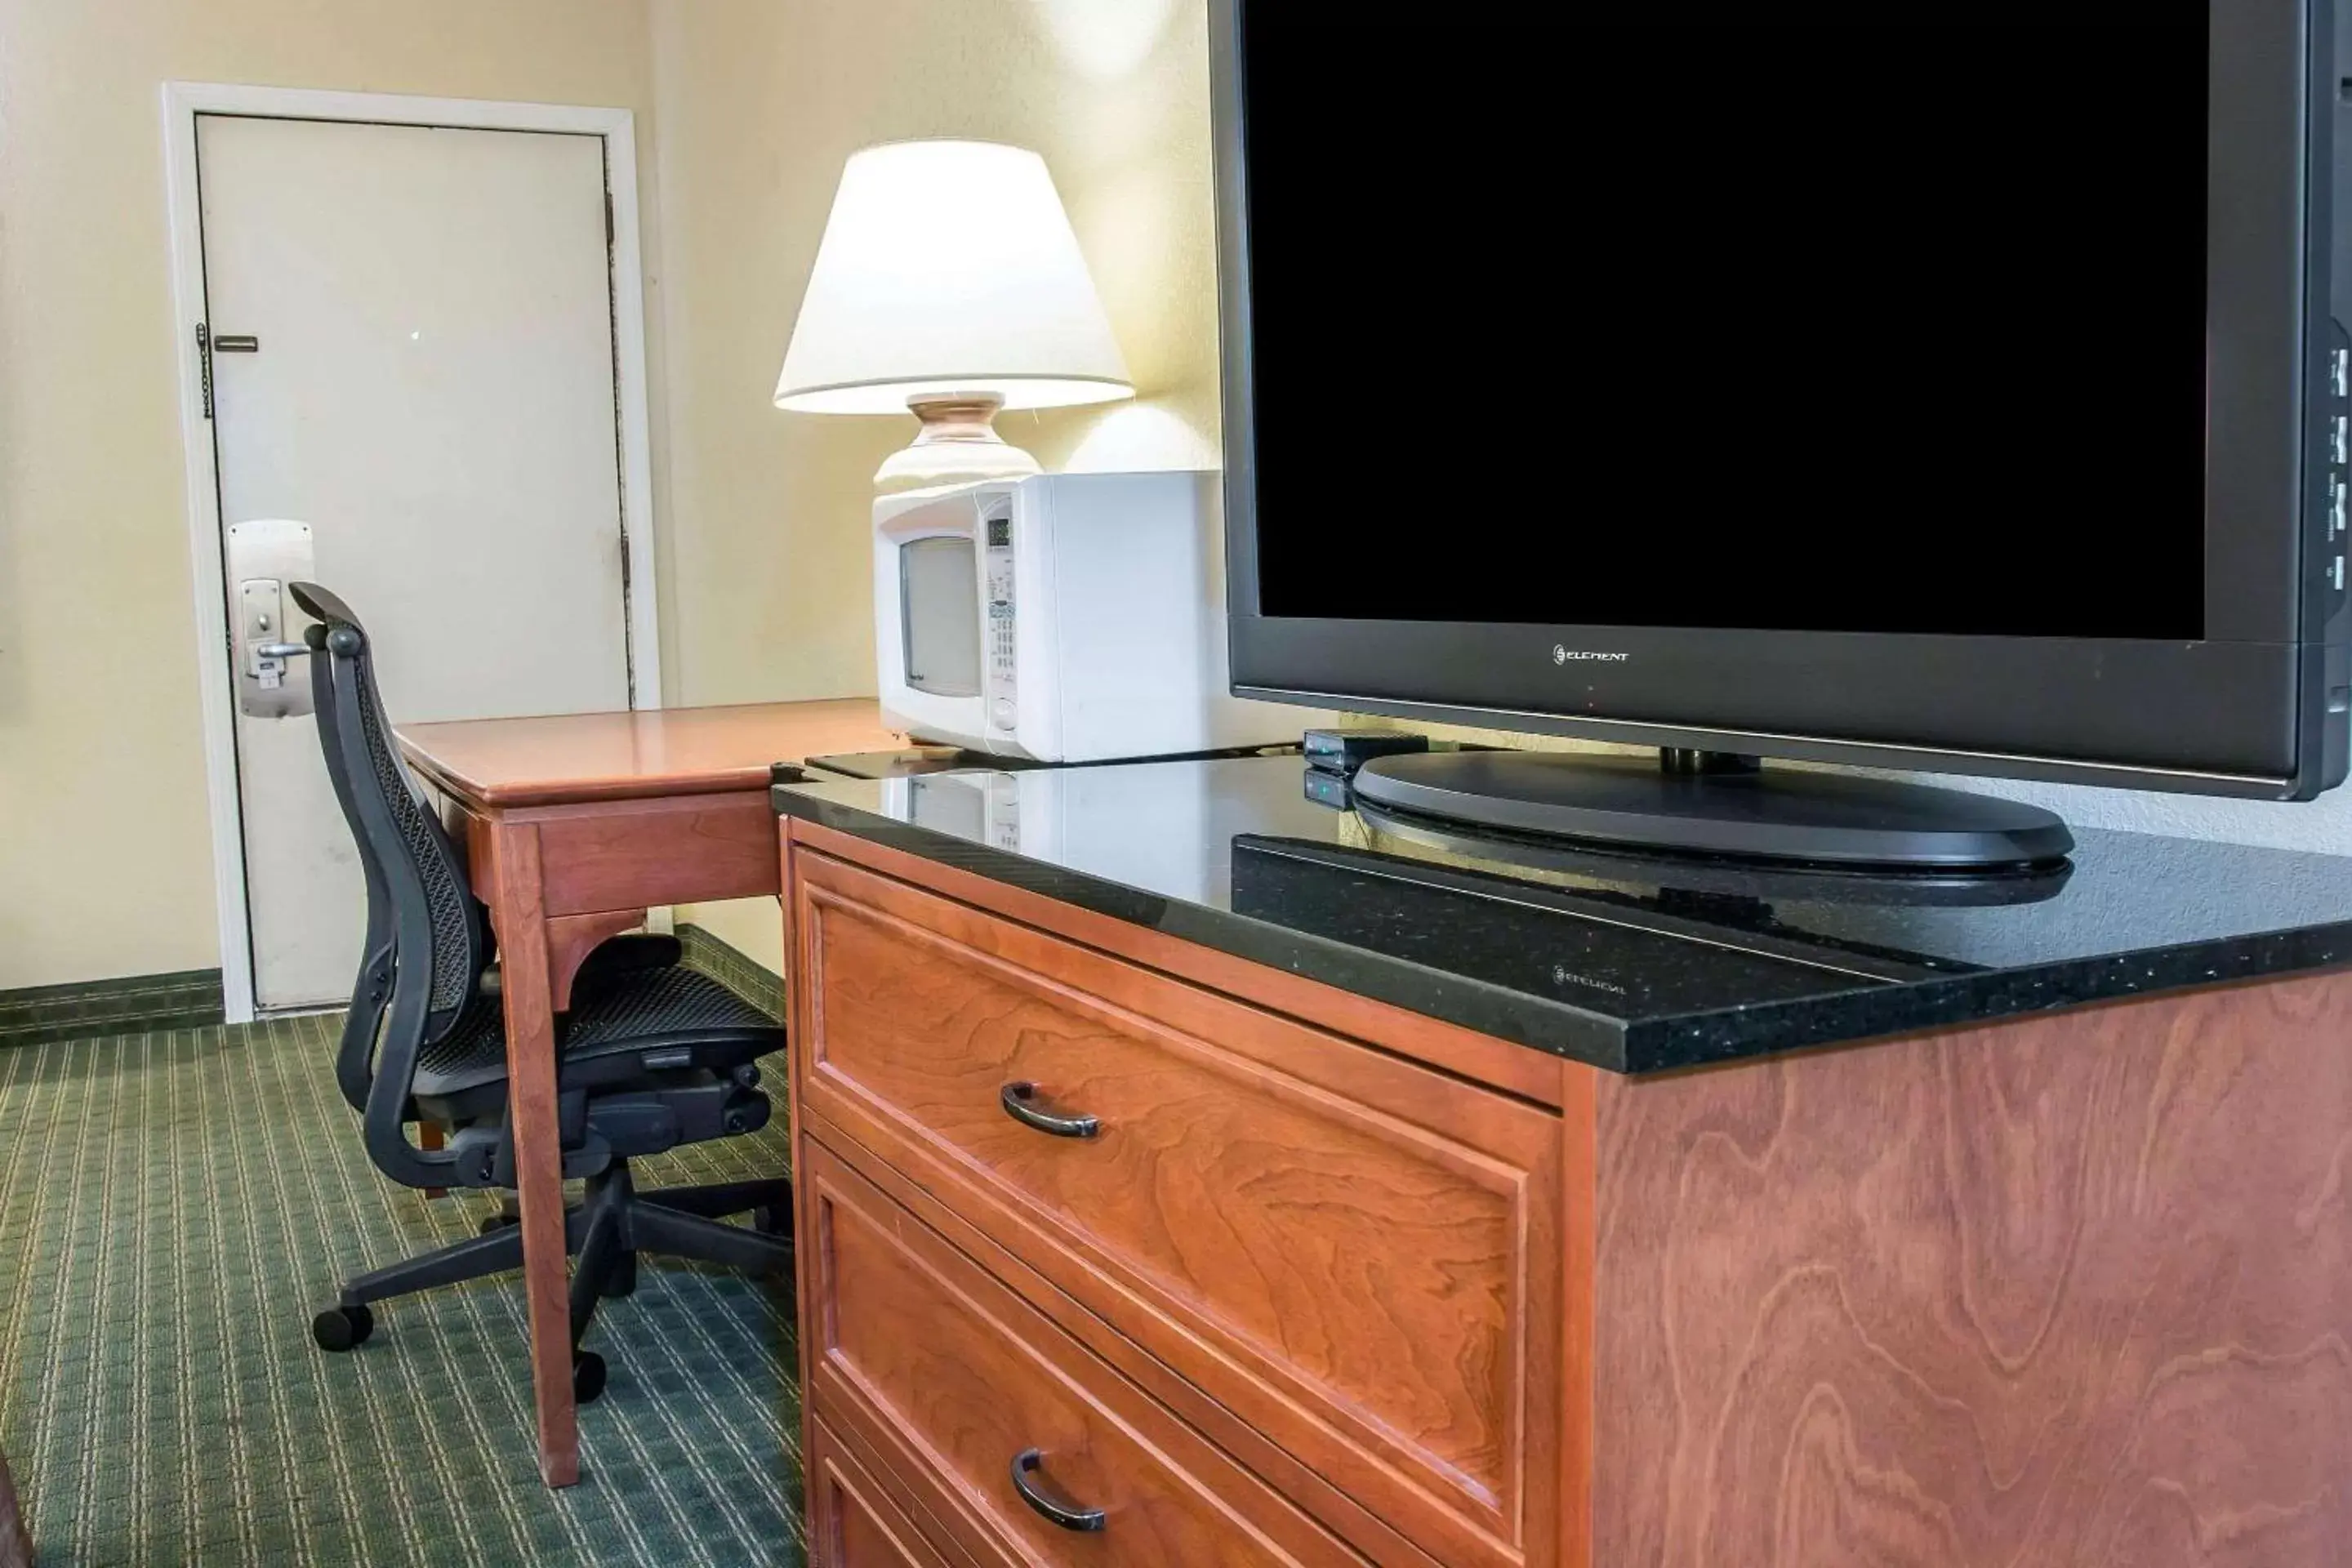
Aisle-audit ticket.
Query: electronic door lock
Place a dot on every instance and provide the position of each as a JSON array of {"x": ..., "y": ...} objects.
[{"x": 263, "y": 557}]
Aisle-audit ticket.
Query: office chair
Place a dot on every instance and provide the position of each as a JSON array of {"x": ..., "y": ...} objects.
[{"x": 651, "y": 1055}]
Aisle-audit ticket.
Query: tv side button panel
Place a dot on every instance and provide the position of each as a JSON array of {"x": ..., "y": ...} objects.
[{"x": 2336, "y": 522}]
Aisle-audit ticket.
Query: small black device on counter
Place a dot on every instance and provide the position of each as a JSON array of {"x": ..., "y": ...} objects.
[
  {"x": 1329, "y": 789},
  {"x": 1342, "y": 751}
]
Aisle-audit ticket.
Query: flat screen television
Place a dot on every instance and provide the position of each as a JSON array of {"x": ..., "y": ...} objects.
[{"x": 1938, "y": 387}]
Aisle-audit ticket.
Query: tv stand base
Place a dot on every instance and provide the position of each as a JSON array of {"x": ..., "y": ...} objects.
[{"x": 1711, "y": 803}]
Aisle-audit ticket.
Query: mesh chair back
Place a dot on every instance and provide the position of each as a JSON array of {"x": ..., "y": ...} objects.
[{"x": 427, "y": 932}]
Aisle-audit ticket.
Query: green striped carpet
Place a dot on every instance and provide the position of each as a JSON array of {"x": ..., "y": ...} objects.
[{"x": 173, "y": 1206}]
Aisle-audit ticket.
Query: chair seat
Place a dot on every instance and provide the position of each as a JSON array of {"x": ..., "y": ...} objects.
[{"x": 651, "y": 1014}]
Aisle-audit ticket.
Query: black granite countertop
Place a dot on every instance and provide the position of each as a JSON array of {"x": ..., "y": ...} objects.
[{"x": 1633, "y": 964}]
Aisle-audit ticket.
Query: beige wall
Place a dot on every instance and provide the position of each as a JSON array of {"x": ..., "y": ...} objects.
[
  {"x": 105, "y": 847},
  {"x": 105, "y": 855},
  {"x": 761, "y": 104}
]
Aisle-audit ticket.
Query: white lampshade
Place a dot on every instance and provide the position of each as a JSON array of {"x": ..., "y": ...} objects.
[{"x": 949, "y": 268}]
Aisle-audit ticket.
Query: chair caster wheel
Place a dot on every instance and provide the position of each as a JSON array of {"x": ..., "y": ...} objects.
[
  {"x": 494, "y": 1222},
  {"x": 774, "y": 1219},
  {"x": 587, "y": 1377},
  {"x": 342, "y": 1329}
]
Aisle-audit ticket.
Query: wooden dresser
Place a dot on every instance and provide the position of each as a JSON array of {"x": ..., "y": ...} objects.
[{"x": 1119, "y": 1249}]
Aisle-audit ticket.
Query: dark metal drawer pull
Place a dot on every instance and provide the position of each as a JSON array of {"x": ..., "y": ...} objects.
[
  {"x": 1020, "y": 1103},
  {"x": 1049, "y": 1504}
]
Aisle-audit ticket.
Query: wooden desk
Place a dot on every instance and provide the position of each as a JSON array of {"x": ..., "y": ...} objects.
[{"x": 573, "y": 826}]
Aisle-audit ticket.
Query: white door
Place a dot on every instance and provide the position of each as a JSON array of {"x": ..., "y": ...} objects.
[{"x": 429, "y": 385}]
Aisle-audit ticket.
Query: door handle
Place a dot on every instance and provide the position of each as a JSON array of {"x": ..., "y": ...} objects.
[
  {"x": 1048, "y": 1502},
  {"x": 1020, "y": 1103},
  {"x": 261, "y": 599}
]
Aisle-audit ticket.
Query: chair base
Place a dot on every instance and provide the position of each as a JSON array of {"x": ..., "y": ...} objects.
[{"x": 605, "y": 1234}]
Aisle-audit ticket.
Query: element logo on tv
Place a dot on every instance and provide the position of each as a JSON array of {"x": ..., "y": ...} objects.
[{"x": 1561, "y": 654}]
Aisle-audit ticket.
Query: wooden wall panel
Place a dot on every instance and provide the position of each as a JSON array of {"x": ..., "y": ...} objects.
[{"x": 2072, "y": 1290}]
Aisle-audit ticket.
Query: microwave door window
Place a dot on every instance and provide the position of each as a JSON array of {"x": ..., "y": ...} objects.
[{"x": 939, "y": 592}]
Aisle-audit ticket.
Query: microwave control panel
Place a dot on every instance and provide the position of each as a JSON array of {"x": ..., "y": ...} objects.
[{"x": 1003, "y": 712}]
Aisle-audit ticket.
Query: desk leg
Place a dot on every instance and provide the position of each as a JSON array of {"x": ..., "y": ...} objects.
[
  {"x": 428, "y": 1138},
  {"x": 518, "y": 911}
]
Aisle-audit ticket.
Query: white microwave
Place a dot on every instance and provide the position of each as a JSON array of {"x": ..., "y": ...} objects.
[{"x": 1064, "y": 618}]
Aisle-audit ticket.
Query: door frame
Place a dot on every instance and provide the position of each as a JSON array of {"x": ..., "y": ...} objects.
[{"x": 183, "y": 102}]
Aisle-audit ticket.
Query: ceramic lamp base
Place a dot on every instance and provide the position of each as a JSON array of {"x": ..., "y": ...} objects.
[{"x": 958, "y": 445}]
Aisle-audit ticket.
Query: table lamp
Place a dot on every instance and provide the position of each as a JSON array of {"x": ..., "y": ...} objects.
[{"x": 949, "y": 284}]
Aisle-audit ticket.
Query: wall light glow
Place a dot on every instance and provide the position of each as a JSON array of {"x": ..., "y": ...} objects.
[{"x": 1105, "y": 39}]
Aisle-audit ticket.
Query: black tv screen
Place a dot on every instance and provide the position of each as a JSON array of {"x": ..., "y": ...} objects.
[
  {"x": 1812, "y": 320},
  {"x": 1950, "y": 361}
]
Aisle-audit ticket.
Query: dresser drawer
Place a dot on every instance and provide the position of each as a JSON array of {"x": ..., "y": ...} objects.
[
  {"x": 1355, "y": 1256},
  {"x": 853, "y": 1522},
  {"x": 974, "y": 1398}
]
